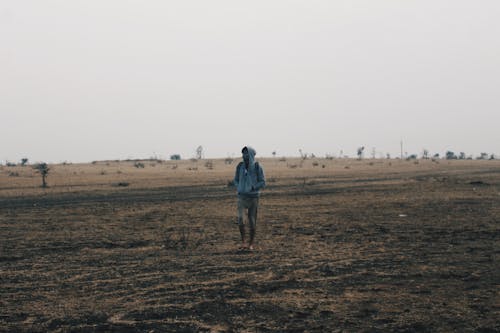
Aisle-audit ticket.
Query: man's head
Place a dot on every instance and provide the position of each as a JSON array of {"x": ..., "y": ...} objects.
[{"x": 246, "y": 155}]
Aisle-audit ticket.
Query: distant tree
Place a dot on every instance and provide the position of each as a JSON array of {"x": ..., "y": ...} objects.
[
  {"x": 43, "y": 169},
  {"x": 199, "y": 153},
  {"x": 425, "y": 154},
  {"x": 483, "y": 156},
  {"x": 462, "y": 156},
  {"x": 360, "y": 152},
  {"x": 450, "y": 155},
  {"x": 303, "y": 155},
  {"x": 274, "y": 153},
  {"x": 436, "y": 155},
  {"x": 388, "y": 156},
  {"x": 24, "y": 161},
  {"x": 492, "y": 157}
]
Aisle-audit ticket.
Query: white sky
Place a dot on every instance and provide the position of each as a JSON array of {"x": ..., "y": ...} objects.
[{"x": 87, "y": 80}]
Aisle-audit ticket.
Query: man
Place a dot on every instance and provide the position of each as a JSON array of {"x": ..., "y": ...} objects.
[{"x": 249, "y": 179}]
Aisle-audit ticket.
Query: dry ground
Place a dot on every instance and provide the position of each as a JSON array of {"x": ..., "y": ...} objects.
[{"x": 343, "y": 245}]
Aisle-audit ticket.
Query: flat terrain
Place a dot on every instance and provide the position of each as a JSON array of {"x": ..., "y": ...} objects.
[{"x": 343, "y": 245}]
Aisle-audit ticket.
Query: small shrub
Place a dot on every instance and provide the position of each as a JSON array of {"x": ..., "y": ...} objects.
[
  {"x": 139, "y": 165},
  {"x": 228, "y": 160},
  {"x": 13, "y": 174},
  {"x": 209, "y": 165},
  {"x": 175, "y": 157},
  {"x": 315, "y": 163},
  {"x": 174, "y": 166}
]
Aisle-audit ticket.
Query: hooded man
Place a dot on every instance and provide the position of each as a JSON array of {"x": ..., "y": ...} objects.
[{"x": 249, "y": 179}]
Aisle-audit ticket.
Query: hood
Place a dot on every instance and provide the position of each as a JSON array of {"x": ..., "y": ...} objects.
[{"x": 251, "y": 155}]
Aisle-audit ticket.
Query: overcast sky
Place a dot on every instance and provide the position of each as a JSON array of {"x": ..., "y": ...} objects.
[{"x": 86, "y": 80}]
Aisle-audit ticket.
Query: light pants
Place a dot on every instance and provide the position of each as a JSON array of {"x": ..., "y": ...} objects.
[{"x": 251, "y": 205}]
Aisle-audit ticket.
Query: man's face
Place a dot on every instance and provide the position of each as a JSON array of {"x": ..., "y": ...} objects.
[{"x": 246, "y": 157}]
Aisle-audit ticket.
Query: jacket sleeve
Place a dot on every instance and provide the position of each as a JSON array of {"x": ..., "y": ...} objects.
[
  {"x": 236, "y": 179},
  {"x": 261, "y": 180}
]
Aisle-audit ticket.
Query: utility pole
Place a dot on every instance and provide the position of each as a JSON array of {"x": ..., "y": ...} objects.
[{"x": 401, "y": 149}]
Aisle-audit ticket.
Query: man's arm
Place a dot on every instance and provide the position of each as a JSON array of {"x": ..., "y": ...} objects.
[
  {"x": 236, "y": 179},
  {"x": 261, "y": 180}
]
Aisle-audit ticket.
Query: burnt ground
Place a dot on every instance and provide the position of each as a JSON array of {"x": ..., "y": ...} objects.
[{"x": 403, "y": 254}]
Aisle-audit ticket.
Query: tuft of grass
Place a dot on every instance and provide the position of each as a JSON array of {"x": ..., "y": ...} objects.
[
  {"x": 209, "y": 165},
  {"x": 182, "y": 239}
]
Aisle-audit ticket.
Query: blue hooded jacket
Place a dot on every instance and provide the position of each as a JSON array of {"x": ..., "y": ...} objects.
[{"x": 249, "y": 181}]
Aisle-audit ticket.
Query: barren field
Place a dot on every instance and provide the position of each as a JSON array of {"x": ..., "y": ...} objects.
[{"x": 342, "y": 245}]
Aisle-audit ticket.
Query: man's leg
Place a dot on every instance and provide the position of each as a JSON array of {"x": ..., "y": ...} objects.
[
  {"x": 252, "y": 219},
  {"x": 241, "y": 225}
]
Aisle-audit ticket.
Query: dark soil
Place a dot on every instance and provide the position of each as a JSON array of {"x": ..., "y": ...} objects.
[{"x": 375, "y": 254}]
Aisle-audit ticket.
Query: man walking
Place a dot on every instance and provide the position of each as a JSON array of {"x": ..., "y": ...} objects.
[{"x": 249, "y": 179}]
